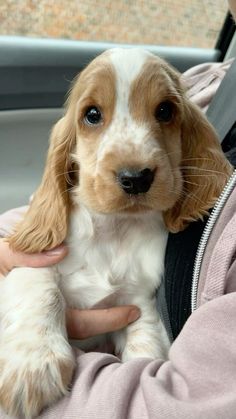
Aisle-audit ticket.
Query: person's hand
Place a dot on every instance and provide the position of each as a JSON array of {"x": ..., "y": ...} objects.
[
  {"x": 81, "y": 324},
  {"x": 10, "y": 259}
]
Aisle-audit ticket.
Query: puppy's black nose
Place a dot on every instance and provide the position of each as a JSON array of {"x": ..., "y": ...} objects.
[{"x": 135, "y": 181}]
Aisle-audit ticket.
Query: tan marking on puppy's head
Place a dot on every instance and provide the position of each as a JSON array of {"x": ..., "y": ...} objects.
[{"x": 131, "y": 140}]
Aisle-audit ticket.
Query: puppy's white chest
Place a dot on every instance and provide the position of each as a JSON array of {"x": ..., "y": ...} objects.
[{"x": 116, "y": 257}]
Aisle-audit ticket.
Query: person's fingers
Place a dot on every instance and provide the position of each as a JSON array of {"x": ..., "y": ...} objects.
[
  {"x": 82, "y": 324},
  {"x": 10, "y": 259},
  {"x": 40, "y": 259}
]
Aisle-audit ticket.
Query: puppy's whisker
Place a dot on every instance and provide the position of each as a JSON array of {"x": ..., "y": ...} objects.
[
  {"x": 66, "y": 173},
  {"x": 68, "y": 190},
  {"x": 199, "y": 175},
  {"x": 202, "y": 169},
  {"x": 198, "y": 158},
  {"x": 192, "y": 183},
  {"x": 193, "y": 197},
  {"x": 185, "y": 192}
]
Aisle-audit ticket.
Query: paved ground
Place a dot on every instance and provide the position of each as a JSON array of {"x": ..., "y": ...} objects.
[{"x": 163, "y": 22}]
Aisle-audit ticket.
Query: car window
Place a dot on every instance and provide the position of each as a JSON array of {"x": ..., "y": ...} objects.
[{"x": 194, "y": 23}]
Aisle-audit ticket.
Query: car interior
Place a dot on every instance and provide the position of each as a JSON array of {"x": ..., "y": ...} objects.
[{"x": 35, "y": 75}]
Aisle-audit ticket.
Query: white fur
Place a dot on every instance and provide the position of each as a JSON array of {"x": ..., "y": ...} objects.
[
  {"x": 113, "y": 260},
  {"x": 125, "y": 133},
  {"x": 128, "y": 63},
  {"x": 120, "y": 257}
]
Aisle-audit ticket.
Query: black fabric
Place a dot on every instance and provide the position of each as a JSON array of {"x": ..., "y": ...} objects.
[
  {"x": 229, "y": 145},
  {"x": 179, "y": 260}
]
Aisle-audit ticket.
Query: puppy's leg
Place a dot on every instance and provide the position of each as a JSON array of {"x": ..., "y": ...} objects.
[
  {"x": 36, "y": 361},
  {"x": 146, "y": 337}
]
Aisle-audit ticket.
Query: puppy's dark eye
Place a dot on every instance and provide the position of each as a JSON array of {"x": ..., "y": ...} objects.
[
  {"x": 93, "y": 116},
  {"x": 164, "y": 112}
]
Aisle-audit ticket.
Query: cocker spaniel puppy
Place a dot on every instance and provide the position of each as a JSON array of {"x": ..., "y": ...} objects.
[{"x": 130, "y": 160}]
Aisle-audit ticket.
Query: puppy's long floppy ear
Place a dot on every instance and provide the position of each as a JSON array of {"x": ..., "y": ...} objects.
[
  {"x": 45, "y": 223},
  {"x": 204, "y": 168}
]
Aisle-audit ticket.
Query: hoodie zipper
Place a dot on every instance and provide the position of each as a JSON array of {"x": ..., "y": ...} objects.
[{"x": 206, "y": 234}]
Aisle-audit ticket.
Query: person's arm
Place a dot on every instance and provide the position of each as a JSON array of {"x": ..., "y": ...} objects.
[
  {"x": 203, "y": 80},
  {"x": 198, "y": 381}
]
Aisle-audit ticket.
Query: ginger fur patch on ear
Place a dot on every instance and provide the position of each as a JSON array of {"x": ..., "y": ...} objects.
[
  {"x": 204, "y": 168},
  {"x": 45, "y": 224}
]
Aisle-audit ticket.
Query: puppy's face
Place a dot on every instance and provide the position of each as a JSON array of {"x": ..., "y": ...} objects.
[
  {"x": 128, "y": 117},
  {"x": 136, "y": 143}
]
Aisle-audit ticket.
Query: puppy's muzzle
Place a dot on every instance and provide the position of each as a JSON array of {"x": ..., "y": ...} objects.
[{"x": 134, "y": 182}]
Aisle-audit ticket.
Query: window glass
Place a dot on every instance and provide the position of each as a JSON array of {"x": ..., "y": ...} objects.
[{"x": 193, "y": 23}]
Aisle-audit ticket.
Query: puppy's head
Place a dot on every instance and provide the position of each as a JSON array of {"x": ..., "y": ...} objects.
[{"x": 130, "y": 142}]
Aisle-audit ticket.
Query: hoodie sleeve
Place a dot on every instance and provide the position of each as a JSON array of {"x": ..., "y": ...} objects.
[
  {"x": 9, "y": 219},
  {"x": 203, "y": 80},
  {"x": 198, "y": 380}
]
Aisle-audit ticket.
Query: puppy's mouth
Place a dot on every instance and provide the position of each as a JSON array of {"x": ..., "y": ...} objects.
[
  {"x": 136, "y": 203},
  {"x": 128, "y": 191}
]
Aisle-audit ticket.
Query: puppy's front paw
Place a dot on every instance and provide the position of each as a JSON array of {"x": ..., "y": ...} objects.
[
  {"x": 31, "y": 380},
  {"x": 140, "y": 345},
  {"x": 133, "y": 351}
]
